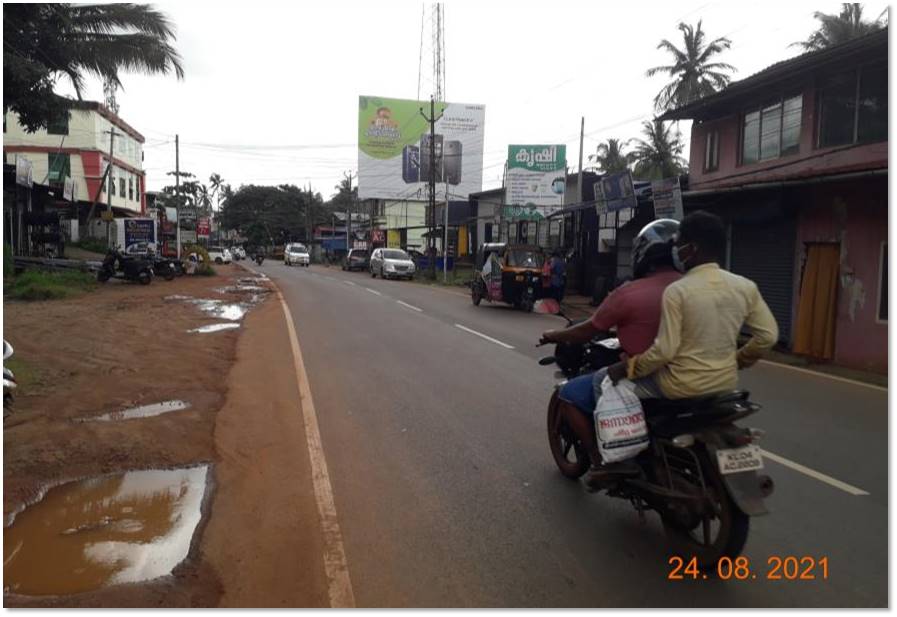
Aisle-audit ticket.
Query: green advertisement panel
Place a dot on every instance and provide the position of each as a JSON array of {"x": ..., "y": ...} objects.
[{"x": 536, "y": 175}]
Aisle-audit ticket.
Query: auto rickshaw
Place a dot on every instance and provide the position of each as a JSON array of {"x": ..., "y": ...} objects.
[{"x": 510, "y": 273}]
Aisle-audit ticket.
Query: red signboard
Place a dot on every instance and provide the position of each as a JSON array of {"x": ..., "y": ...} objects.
[{"x": 202, "y": 227}]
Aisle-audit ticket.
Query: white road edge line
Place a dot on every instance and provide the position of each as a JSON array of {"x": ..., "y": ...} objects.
[
  {"x": 824, "y": 375},
  {"x": 847, "y": 488},
  {"x": 481, "y": 335},
  {"x": 373, "y": 291},
  {"x": 339, "y": 586},
  {"x": 350, "y": 283},
  {"x": 413, "y": 308}
]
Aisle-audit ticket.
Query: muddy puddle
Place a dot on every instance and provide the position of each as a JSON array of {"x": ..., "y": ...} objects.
[
  {"x": 103, "y": 531},
  {"x": 215, "y": 327},
  {"x": 143, "y": 411}
]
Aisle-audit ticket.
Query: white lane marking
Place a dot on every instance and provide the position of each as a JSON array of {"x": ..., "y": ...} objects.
[
  {"x": 339, "y": 586},
  {"x": 481, "y": 335},
  {"x": 413, "y": 308},
  {"x": 373, "y": 291},
  {"x": 824, "y": 375},
  {"x": 350, "y": 283},
  {"x": 847, "y": 488}
]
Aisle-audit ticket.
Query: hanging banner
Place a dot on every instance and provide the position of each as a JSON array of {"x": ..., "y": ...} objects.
[
  {"x": 396, "y": 159},
  {"x": 24, "y": 172},
  {"x": 536, "y": 176},
  {"x": 615, "y": 192},
  {"x": 667, "y": 199}
]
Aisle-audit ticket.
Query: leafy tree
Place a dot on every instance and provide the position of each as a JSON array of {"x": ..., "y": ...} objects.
[
  {"x": 42, "y": 42},
  {"x": 836, "y": 29},
  {"x": 693, "y": 75},
  {"x": 272, "y": 212},
  {"x": 610, "y": 156},
  {"x": 660, "y": 154}
]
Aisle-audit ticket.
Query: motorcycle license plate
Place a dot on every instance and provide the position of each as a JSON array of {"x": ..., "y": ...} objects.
[
  {"x": 519, "y": 277},
  {"x": 737, "y": 460}
]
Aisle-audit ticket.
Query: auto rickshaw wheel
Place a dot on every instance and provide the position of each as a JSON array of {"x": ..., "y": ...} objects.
[{"x": 475, "y": 294}]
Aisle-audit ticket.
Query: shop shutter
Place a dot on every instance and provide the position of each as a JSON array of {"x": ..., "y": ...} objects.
[{"x": 764, "y": 253}]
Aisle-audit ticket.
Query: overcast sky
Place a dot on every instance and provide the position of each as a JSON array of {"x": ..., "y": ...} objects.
[{"x": 271, "y": 89}]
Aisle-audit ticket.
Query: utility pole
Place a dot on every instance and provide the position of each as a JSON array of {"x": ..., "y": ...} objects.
[
  {"x": 431, "y": 186},
  {"x": 445, "y": 254},
  {"x": 348, "y": 213},
  {"x": 307, "y": 209},
  {"x": 582, "y": 130},
  {"x": 177, "y": 191},
  {"x": 111, "y": 186}
]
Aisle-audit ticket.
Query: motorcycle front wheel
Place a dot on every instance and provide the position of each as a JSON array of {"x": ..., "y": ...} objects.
[
  {"x": 102, "y": 276},
  {"x": 569, "y": 455},
  {"x": 712, "y": 535}
]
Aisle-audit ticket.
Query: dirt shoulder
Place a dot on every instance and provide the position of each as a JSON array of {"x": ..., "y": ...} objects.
[{"x": 126, "y": 345}]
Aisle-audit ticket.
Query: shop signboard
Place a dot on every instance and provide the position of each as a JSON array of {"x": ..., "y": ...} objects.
[
  {"x": 536, "y": 176},
  {"x": 667, "y": 199}
]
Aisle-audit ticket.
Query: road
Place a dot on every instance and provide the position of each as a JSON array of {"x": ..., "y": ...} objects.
[{"x": 447, "y": 495}]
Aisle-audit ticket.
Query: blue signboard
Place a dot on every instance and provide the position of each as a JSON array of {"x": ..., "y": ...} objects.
[
  {"x": 139, "y": 230},
  {"x": 615, "y": 192}
]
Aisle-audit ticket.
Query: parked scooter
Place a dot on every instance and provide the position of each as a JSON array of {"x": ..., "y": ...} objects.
[
  {"x": 699, "y": 472},
  {"x": 9, "y": 380},
  {"x": 128, "y": 267}
]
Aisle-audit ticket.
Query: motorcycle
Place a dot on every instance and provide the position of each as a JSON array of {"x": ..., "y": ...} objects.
[
  {"x": 699, "y": 472},
  {"x": 259, "y": 259},
  {"x": 128, "y": 267},
  {"x": 9, "y": 380}
]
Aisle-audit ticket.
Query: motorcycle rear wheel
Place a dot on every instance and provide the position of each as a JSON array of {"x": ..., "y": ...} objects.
[
  {"x": 475, "y": 295},
  {"x": 713, "y": 537},
  {"x": 145, "y": 277},
  {"x": 569, "y": 455}
]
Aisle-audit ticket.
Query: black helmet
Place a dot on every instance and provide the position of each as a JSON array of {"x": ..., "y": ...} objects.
[{"x": 653, "y": 245}]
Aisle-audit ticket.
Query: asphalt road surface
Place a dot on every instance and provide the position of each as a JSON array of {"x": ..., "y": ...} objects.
[{"x": 447, "y": 494}]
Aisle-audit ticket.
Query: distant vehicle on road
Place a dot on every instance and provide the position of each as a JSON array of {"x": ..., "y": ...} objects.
[
  {"x": 357, "y": 259},
  {"x": 220, "y": 255},
  {"x": 391, "y": 263},
  {"x": 296, "y": 254}
]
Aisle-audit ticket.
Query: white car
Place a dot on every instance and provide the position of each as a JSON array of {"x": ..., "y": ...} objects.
[
  {"x": 391, "y": 263},
  {"x": 220, "y": 255},
  {"x": 296, "y": 254}
]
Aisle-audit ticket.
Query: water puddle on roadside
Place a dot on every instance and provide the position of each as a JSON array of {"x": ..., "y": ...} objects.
[
  {"x": 215, "y": 327},
  {"x": 144, "y": 411},
  {"x": 103, "y": 531}
]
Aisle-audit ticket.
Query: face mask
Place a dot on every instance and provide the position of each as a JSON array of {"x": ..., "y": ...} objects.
[{"x": 678, "y": 262}]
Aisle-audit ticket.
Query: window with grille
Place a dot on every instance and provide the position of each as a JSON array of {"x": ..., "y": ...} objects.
[{"x": 771, "y": 131}]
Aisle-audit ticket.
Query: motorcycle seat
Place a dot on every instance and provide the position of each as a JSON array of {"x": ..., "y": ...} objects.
[{"x": 720, "y": 402}]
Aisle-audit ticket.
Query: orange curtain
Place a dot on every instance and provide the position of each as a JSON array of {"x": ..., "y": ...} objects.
[{"x": 818, "y": 308}]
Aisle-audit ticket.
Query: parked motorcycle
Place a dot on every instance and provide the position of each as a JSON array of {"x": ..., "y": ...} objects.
[
  {"x": 9, "y": 380},
  {"x": 699, "y": 473},
  {"x": 128, "y": 267}
]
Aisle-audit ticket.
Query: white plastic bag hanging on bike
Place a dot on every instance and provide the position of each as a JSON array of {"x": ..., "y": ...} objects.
[{"x": 620, "y": 422}]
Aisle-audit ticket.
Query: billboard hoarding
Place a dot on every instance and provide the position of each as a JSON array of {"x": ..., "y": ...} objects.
[
  {"x": 536, "y": 175},
  {"x": 202, "y": 227},
  {"x": 397, "y": 157},
  {"x": 615, "y": 192},
  {"x": 667, "y": 199}
]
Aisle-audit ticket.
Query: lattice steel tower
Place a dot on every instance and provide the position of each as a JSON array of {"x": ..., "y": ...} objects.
[{"x": 431, "y": 79}]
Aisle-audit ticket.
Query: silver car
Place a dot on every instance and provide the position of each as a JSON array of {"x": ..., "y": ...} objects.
[{"x": 391, "y": 263}]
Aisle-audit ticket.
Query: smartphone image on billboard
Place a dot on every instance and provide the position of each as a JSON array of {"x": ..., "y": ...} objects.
[
  {"x": 426, "y": 173},
  {"x": 411, "y": 164},
  {"x": 452, "y": 159}
]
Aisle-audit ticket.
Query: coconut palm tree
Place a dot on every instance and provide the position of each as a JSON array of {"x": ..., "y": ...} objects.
[
  {"x": 694, "y": 75},
  {"x": 43, "y": 42},
  {"x": 610, "y": 156},
  {"x": 836, "y": 29},
  {"x": 660, "y": 154}
]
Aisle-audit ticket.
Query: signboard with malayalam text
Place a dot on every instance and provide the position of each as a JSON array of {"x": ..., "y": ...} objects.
[
  {"x": 536, "y": 176},
  {"x": 667, "y": 199}
]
